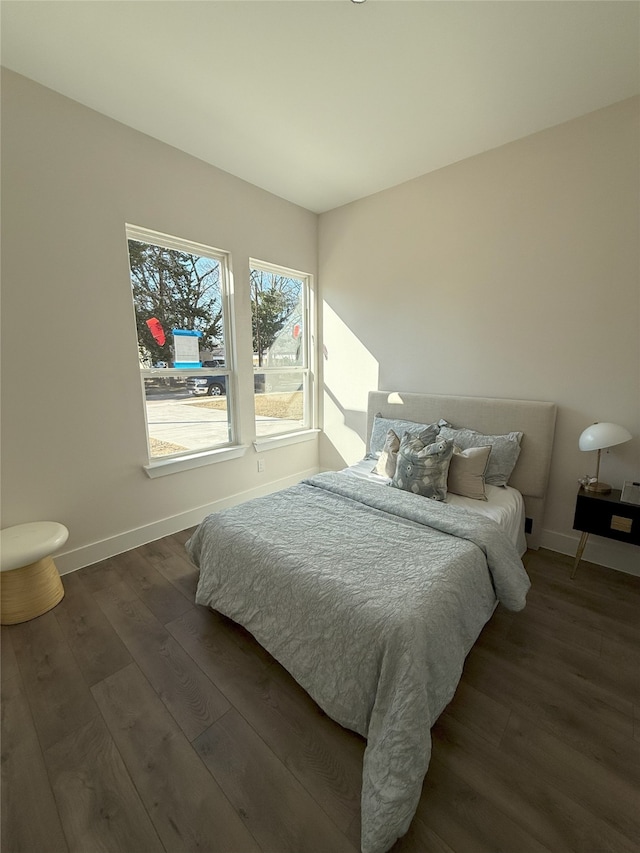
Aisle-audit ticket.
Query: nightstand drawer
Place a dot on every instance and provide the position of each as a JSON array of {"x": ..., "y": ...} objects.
[{"x": 604, "y": 515}]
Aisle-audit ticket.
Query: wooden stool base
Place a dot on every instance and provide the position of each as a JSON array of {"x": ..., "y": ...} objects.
[{"x": 29, "y": 591}]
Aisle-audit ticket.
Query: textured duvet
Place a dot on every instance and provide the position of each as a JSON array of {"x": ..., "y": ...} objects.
[{"x": 371, "y": 598}]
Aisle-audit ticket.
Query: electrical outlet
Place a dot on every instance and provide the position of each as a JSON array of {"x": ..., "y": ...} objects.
[{"x": 260, "y": 466}]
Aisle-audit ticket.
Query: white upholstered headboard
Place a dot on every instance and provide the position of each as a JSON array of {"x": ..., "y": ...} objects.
[{"x": 493, "y": 417}]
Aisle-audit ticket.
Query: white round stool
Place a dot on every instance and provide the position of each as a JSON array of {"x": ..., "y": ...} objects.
[{"x": 30, "y": 584}]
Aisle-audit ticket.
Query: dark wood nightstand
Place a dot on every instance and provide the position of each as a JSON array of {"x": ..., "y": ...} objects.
[{"x": 605, "y": 515}]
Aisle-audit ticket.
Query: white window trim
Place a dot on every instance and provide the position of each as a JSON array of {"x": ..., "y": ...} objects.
[
  {"x": 160, "y": 466},
  {"x": 157, "y": 238},
  {"x": 309, "y": 431},
  {"x": 172, "y": 465},
  {"x": 272, "y": 442}
]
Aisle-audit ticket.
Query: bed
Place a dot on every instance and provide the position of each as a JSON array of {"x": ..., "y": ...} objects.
[{"x": 372, "y": 596}]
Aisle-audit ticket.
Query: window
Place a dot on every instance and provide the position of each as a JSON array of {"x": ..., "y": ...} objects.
[
  {"x": 181, "y": 299},
  {"x": 282, "y": 334}
]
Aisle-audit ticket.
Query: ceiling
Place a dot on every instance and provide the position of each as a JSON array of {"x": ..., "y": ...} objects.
[{"x": 325, "y": 101}]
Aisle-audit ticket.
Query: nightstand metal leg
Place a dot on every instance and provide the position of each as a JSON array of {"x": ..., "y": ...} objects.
[{"x": 579, "y": 553}]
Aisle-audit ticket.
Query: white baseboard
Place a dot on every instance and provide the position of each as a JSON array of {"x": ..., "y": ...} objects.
[
  {"x": 86, "y": 555},
  {"x": 604, "y": 552}
]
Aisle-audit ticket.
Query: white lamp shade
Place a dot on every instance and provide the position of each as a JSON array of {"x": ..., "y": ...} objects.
[{"x": 599, "y": 436}]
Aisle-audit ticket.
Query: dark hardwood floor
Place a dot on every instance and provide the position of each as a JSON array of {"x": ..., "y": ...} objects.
[{"x": 134, "y": 720}]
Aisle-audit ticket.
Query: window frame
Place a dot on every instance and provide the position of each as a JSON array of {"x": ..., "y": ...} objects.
[
  {"x": 309, "y": 430},
  {"x": 179, "y": 461}
]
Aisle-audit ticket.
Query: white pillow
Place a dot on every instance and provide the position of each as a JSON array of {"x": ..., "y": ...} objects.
[
  {"x": 467, "y": 471},
  {"x": 386, "y": 464}
]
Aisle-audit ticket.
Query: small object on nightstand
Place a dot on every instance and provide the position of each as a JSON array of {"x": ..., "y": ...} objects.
[
  {"x": 630, "y": 493},
  {"x": 605, "y": 515}
]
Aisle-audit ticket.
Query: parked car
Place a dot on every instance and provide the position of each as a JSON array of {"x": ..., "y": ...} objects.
[
  {"x": 213, "y": 386},
  {"x": 216, "y": 385}
]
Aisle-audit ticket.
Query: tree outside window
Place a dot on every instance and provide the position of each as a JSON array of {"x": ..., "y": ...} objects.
[
  {"x": 273, "y": 299},
  {"x": 280, "y": 312},
  {"x": 178, "y": 290}
]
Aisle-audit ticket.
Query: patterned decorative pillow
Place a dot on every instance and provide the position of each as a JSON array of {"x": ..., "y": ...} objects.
[
  {"x": 467, "y": 470},
  {"x": 422, "y": 468},
  {"x": 505, "y": 450},
  {"x": 381, "y": 427},
  {"x": 386, "y": 464}
]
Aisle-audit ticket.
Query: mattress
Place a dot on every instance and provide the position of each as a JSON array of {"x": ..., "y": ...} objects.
[{"x": 504, "y": 505}]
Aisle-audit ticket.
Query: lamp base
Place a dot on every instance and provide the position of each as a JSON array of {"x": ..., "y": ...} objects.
[{"x": 600, "y": 488}]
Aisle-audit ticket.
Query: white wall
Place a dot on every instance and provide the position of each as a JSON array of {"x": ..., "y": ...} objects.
[
  {"x": 73, "y": 435},
  {"x": 511, "y": 274}
]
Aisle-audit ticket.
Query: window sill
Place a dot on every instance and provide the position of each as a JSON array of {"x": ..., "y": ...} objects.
[
  {"x": 262, "y": 444},
  {"x": 162, "y": 467}
]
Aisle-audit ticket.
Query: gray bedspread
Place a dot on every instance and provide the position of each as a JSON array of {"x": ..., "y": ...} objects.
[{"x": 371, "y": 598}]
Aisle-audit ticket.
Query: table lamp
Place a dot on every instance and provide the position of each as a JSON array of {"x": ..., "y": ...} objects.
[{"x": 599, "y": 437}]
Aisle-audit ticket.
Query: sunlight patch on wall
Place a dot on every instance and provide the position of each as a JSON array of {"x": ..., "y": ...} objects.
[{"x": 350, "y": 372}]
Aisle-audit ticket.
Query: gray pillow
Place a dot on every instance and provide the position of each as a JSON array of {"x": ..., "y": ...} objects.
[
  {"x": 505, "y": 450},
  {"x": 381, "y": 427},
  {"x": 422, "y": 468}
]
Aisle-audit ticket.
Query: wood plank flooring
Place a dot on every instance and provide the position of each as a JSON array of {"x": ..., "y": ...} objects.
[{"x": 134, "y": 720}]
